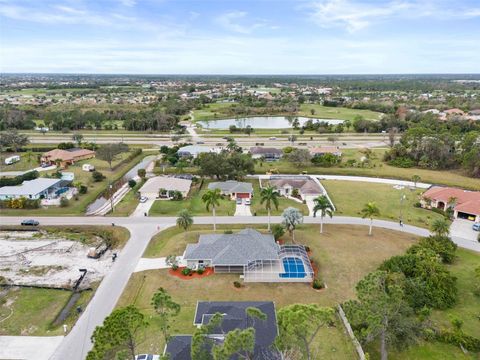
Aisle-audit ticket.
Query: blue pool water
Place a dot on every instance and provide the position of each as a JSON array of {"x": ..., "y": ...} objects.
[{"x": 294, "y": 268}]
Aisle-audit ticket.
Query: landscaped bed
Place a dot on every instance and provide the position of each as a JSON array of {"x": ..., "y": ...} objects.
[{"x": 344, "y": 254}]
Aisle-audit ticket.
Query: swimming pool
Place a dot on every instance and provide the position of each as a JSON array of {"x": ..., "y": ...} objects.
[{"x": 294, "y": 268}]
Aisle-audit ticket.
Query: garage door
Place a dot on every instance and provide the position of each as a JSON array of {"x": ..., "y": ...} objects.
[{"x": 243, "y": 195}]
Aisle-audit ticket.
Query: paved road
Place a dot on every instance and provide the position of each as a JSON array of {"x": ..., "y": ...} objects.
[{"x": 77, "y": 343}]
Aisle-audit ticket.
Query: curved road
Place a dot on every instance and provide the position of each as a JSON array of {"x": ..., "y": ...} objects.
[{"x": 77, "y": 343}]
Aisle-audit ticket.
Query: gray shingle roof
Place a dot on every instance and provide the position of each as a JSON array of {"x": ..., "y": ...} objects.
[
  {"x": 30, "y": 187},
  {"x": 233, "y": 249},
  {"x": 232, "y": 186},
  {"x": 234, "y": 317}
]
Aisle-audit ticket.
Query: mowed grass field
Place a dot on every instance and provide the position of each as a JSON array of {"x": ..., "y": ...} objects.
[
  {"x": 328, "y": 112},
  {"x": 349, "y": 197},
  {"x": 344, "y": 253},
  {"x": 377, "y": 169},
  {"x": 192, "y": 203},
  {"x": 79, "y": 206}
]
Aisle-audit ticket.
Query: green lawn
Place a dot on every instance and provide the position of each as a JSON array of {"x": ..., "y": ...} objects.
[
  {"x": 257, "y": 208},
  {"x": 349, "y": 197},
  {"x": 377, "y": 169},
  {"x": 344, "y": 254},
  {"x": 192, "y": 203},
  {"x": 328, "y": 112},
  {"x": 129, "y": 202},
  {"x": 27, "y": 161},
  {"x": 77, "y": 207},
  {"x": 467, "y": 309}
]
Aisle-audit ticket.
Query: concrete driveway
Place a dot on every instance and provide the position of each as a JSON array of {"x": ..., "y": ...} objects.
[
  {"x": 463, "y": 229},
  {"x": 242, "y": 209},
  {"x": 28, "y": 347},
  {"x": 142, "y": 208}
]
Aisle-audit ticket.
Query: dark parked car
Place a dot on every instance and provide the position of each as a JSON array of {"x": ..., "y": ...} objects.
[{"x": 30, "y": 222}]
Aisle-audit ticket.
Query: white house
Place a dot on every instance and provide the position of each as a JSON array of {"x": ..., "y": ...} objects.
[
  {"x": 41, "y": 188},
  {"x": 153, "y": 185}
]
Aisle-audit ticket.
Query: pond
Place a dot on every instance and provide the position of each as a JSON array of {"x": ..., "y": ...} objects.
[{"x": 261, "y": 122}]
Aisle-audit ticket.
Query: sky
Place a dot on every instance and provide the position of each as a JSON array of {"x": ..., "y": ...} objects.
[{"x": 240, "y": 37}]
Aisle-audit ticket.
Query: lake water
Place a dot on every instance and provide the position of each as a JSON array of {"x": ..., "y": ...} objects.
[{"x": 261, "y": 122}]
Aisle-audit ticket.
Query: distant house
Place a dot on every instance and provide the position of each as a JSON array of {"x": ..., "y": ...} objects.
[
  {"x": 269, "y": 154},
  {"x": 465, "y": 203},
  {"x": 153, "y": 185},
  {"x": 234, "y": 189},
  {"x": 194, "y": 150},
  {"x": 66, "y": 157},
  {"x": 322, "y": 150},
  {"x": 305, "y": 186},
  {"x": 234, "y": 316},
  {"x": 40, "y": 188},
  {"x": 257, "y": 256}
]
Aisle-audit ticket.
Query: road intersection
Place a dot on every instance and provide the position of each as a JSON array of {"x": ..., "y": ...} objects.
[{"x": 76, "y": 344}]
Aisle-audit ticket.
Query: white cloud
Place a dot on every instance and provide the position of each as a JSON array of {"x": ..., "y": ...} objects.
[
  {"x": 353, "y": 16},
  {"x": 357, "y": 15},
  {"x": 237, "y": 21},
  {"x": 129, "y": 3}
]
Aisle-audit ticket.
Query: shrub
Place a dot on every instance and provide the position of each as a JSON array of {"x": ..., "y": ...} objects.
[
  {"x": 187, "y": 271},
  {"x": 402, "y": 162},
  {"x": 132, "y": 183},
  {"x": 318, "y": 284},
  {"x": 97, "y": 176},
  {"x": 83, "y": 189},
  {"x": 278, "y": 231},
  {"x": 200, "y": 271},
  {"x": 141, "y": 173},
  {"x": 237, "y": 284},
  {"x": 441, "y": 245},
  {"x": 228, "y": 232},
  {"x": 307, "y": 248},
  {"x": 64, "y": 202}
]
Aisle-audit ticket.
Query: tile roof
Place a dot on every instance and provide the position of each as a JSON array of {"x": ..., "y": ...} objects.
[
  {"x": 466, "y": 201},
  {"x": 306, "y": 186},
  {"x": 233, "y": 249},
  {"x": 265, "y": 150},
  {"x": 67, "y": 155}
]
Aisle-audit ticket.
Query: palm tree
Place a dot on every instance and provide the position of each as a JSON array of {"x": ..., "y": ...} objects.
[
  {"x": 369, "y": 211},
  {"x": 323, "y": 205},
  {"x": 269, "y": 195},
  {"x": 184, "y": 220},
  {"x": 440, "y": 227},
  {"x": 212, "y": 199},
  {"x": 416, "y": 179},
  {"x": 291, "y": 218}
]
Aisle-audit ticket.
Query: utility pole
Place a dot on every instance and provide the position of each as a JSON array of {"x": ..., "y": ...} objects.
[
  {"x": 111, "y": 196},
  {"x": 402, "y": 199}
]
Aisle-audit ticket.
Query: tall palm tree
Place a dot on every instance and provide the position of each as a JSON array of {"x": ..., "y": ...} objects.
[
  {"x": 323, "y": 205},
  {"x": 440, "y": 227},
  {"x": 269, "y": 195},
  {"x": 370, "y": 210},
  {"x": 184, "y": 220},
  {"x": 212, "y": 199}
]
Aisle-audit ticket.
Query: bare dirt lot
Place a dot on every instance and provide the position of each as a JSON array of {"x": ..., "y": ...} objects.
[{"x": 50, "y": 260}]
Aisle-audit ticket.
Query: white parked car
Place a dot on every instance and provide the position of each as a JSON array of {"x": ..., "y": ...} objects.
[
  {"x": 12, "y": 159},
  {"x": 143, "y": 199},
  {"x": 247, "y": 202},
  {"x": 147, "y": 357}
]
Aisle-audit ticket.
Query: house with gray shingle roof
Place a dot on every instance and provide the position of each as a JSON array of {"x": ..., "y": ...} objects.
[
  {"x": 231, "y": 252},
  {"x": 234, "y": 316},
  {"x": 234, "y": 189}
]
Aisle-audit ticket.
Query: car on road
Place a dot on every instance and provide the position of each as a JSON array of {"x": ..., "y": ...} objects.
[
  {"x": 239, "y": 201},
  {"x": 476, "y": 226},
  {"x": 200, "y": 142},
  {"x": 143, "y": 199},
  {"x": 30, "y": 222},
  {"x": 147, "y": 357},
  {"x": 272, "y": 138}
]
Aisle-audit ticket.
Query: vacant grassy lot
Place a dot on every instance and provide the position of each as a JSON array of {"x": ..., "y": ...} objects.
[
  {"x": 377, "y": 169},
  {"x": 210, "y": 111},
  {"x": 192, "y": 203},
  {"x": 349, "y": 198},
  {"x": 79, "y": 206},
  {"x": 27, "y": 161},
  {"x": 345, "y": 254},
  {"x": 328, "y": 112}
]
